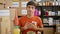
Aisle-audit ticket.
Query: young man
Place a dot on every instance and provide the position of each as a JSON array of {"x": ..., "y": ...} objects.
[{"x": 30, "y": 24}]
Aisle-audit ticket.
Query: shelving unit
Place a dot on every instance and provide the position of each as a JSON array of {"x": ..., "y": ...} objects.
[
  {"x": 54, "y": 17},
  {"x": 49, "y": 8}
]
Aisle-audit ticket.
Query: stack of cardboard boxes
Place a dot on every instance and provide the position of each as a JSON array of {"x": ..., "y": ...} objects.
[
  {"x": 23, "y": 10},
  {"x": 5, "y": 21},
  {"x": 7, "y": 14}
]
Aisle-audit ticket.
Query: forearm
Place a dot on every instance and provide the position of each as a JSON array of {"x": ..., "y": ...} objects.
[
  {"x": 39, "y": 29},
  {"x": 22, "y": 28}
]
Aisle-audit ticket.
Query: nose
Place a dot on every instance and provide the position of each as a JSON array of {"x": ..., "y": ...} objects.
[{"x": 30, "y": 9}]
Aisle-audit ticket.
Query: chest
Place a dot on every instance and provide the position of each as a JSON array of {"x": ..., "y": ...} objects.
[{"x": 32, "y": 20}]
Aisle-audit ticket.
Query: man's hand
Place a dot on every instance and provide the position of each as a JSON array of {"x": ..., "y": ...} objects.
[
  {"x": 25, "y": 27},
  {"x": 32, "y": 26},
  {"x": 29, "y": 26}
]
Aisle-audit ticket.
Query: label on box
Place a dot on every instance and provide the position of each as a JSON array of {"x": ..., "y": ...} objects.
[
  {"x": 23, "y": 4},
  {"x": 4, "y": 12},
  {"x": 15, "y": 4},
  {"x": 38, "y": 0},
  {"x": 24, "y": 12}
]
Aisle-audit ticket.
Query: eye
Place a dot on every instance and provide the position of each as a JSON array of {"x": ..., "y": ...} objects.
[
  {"x": 29, "y": 7},
  {"x": 32, "y": 7}
]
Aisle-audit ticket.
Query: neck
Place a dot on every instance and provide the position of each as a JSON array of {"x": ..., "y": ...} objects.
[{"x": 29, "y": 16}]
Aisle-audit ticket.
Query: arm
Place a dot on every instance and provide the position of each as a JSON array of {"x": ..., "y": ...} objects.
[
  {"x": 40, "y": 28},
  {"x": 40, "y": 25},
  {"x": 24, "y": 28}
]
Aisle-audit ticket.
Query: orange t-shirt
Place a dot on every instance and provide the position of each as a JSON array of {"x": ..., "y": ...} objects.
[{"x": 23, "y": 20}]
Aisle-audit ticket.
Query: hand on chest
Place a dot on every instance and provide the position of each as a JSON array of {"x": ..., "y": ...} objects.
[{"x": 30, "y": 24}]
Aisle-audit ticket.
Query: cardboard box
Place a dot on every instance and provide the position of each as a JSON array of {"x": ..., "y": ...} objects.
[
  {"x": 5, "y": 3},
  {"x": 2, "y": 1},
  {"x": 1, "y": 6},
  {"x": 15, "y": 4},
  {"x": 22, "y": 12},
  {"x": 5, "y": 23},
  {"x": 19, "y": 12},
  {"x": 0, "y": 24},
  {"x": 57, "y": 33},
  {"x": 8, "y": 3},
  {"x": 58, "y": 28},
  {"x": 13, "y": 12},
  {"x": 23, "y": 4},
  {"x": 22, "y": 7},
  {"x": 48, "y": 31}
]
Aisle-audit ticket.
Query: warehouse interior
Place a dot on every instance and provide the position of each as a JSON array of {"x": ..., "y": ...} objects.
[{"x": 47, "y": 10}]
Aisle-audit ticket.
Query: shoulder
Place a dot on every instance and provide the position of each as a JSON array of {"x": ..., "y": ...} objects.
[
  {"x": 37, "y": 17},
  {"x": 22, "y": 17}
]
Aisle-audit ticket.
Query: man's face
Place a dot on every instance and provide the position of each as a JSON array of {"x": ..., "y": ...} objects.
[{"x": 30, "y": 9}]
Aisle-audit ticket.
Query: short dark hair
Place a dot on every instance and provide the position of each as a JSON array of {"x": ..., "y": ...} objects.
[{"x": 31, "y": 3}]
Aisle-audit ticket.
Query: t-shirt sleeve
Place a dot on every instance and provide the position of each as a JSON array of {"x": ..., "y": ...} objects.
[{"x": 40, "y": 24}]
